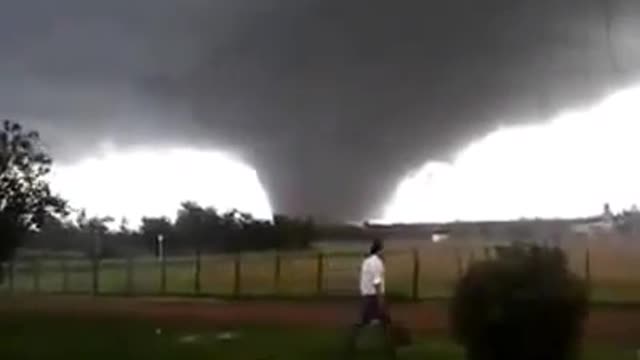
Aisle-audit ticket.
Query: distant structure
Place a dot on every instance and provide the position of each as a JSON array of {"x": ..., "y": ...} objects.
[
  {"x": 440, "y": 234},
  {"x": 604, "y": 224},
  {"x": 607, "y": 215}
]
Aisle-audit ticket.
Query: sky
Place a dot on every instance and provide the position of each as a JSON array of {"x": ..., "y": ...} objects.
[
  {"x": 332, "y": 102},
  {"x": 575, "y": 165}
]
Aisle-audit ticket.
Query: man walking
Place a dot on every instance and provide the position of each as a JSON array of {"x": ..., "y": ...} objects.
[{"x": 372, "y": 287}]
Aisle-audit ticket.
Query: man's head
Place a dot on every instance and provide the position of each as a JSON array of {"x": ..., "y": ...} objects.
[{"x": 376, "y": 247}]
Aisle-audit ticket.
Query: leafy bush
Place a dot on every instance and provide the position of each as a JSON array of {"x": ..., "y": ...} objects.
[{"x": 522, "y": 305}]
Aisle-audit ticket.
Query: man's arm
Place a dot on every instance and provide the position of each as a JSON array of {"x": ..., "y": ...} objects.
[{"x": 377, "y": 284}]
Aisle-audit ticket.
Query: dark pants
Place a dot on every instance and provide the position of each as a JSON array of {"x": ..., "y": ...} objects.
[{"x": 372, "y": 311}]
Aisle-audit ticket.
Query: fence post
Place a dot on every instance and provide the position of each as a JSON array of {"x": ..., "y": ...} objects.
[
  {"x": 459, "y": 266},
  {"x": 95, "y": 265},
  {"x": 130, "y": 275},
  {"x": 163, "y": 275},
  {"x": 36, "y": 275},
  {"x": 320, "y": 274},
  {"x": 237, "y": 275},
  {"x": 276, "y": 274},
  {"x": 96, "y": 277},
  {"x": 197, "y": 284},
  {"x": 65, "y": 276},
  {"x": 12, "y": 267},
  {"x": 415, "y": 290},
  {"x": 587, "y": 268}
]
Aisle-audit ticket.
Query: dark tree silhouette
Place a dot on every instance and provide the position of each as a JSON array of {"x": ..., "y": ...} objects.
[
  {"x": 55, "y": 235},
  {"x": 25, "y": 197},
  {"x": 525, "y": 304},
  {"x": 295, "y": 233},
  {"x": 151, "y": 228},
  {"x": 196, "y": 230},
  {"x": 199, "y": 228},
  {"x": 97, "y": 229}
]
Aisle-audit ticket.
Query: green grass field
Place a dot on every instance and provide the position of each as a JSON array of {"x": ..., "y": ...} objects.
[
  {"x": 48, "y": 337},
  {"x": 613, "y": 271}
]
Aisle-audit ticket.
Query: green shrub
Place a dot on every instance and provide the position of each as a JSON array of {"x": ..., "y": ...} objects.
[{"x": 522, "y": 305}]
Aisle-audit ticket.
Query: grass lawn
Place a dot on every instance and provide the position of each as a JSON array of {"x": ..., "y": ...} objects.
[{"x": 32, "y": 336}]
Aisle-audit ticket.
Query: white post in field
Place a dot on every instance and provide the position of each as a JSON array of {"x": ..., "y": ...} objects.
[{"x": 160, "y": 240}]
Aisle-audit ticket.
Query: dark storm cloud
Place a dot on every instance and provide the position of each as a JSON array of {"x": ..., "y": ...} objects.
[
  {"x": 331, "y": 100},
  {"x": 88, "y": 70}
]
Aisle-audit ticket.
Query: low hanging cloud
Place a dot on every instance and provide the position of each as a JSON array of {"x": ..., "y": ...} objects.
[{"x": 567, "y": 167}]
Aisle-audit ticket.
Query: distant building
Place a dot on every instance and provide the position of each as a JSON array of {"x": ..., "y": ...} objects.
[
  {"x": 601, "y": 225},
  {"x": 440, "y": 234}
]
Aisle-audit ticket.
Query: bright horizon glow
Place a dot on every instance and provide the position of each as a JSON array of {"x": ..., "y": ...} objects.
[
  {"x": 153, "y": 183},
  {"x": 568, "y": 167}
]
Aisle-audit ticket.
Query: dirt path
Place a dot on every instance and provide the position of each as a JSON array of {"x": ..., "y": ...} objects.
[{"x": 615, "y": 325}]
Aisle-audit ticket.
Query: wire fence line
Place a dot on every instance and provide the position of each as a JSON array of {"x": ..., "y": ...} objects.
[{"x": 428, "y": 272}]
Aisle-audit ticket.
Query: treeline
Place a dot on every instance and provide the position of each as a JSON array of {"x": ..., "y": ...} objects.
[{"x": 195, "y": 229}]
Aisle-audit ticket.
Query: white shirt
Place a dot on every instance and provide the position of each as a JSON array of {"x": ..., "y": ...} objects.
[{"x": 371, "y": 274}]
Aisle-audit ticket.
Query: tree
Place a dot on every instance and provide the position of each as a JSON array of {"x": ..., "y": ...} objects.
[
  {"x": 198, "y": 227},
  {"x": 152, "y": 228},
  {"x": 294, "y": 233},
  {"x": 97, "y": 229},
  {"x": 25, "y": 197},
  {"x": 55, "y": 234},
  {"x": 525, "y": 304}
]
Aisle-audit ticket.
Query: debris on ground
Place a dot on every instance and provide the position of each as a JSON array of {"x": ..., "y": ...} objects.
[
  {"x": 227, "y": 335},
  {"x": 189, "y": 339}
]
